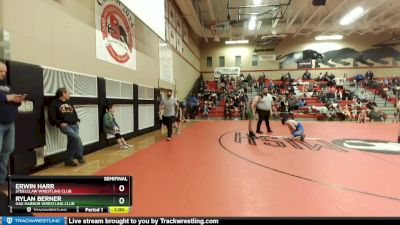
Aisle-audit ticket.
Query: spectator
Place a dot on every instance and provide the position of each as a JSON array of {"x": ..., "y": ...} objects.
[
  {"x": 193, "y": 105},
  {"x": 376, "y": 115},
  {"x": 63, "y": 115},
  {"x": 179, "y": 118},
  {"x": 371, "y": 105},
  {"x": 228, "y": 110},
  {"x": 261, "y": 82},
  {"x": 320, "y": 77},
  {"x": 362, "y": 117},
  {"x": 362, "y": 96},
  {"x": 183, "y": 106},
  {"x": 306, "y": 75},
  {"x": 249, "y": 78},
  {"x": 302, "y": 103},
  {"x": 206, "y": 109},
  {"x": 170, "y": 107},
  {"x": 110, "y": 126},
  {"x": 241, "y": 77},
  {"x": 369, "y": 75},
  {"x": 289, "y": 77},
  {"x": 346, "y": 112},
  {"x": 326, "y": 76},
  {"x": 386, "y": 81},
  {"x": 8, "y": 114}
]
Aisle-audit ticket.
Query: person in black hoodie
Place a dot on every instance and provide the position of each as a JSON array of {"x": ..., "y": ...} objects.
[
  {"x": 8, "y": 113},
  {"x": 63, "y": 115}
]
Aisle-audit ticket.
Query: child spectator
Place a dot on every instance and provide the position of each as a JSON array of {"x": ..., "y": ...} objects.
[{"x": 111, "y": 127}]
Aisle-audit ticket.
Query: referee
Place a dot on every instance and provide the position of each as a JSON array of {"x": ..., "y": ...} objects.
[{"x": 264, "y": 108}]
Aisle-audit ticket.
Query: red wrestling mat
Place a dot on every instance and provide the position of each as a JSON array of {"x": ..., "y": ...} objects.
[{"x": 212, "y": 169}]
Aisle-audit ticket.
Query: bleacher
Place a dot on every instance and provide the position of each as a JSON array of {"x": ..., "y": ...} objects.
[{"x": 218, "y": 112}]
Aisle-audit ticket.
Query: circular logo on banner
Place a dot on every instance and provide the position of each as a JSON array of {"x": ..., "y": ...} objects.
[
  {"x": 376, "y": 146},
  {"x": 117, "y": 33}
]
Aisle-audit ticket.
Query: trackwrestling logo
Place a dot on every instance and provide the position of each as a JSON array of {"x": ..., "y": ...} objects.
[{"x": 376, "y": 146}]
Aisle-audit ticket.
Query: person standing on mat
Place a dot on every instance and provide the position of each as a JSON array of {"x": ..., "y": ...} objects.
[
  {"x": 295, "y": 128},
  {"x": 9, "y": 103},
  {"x": 251, "y": 113},
  {"x": 170, "y": 107},
  {"x": 264, "y": 109},
  {"x": 63, "y": 115}
]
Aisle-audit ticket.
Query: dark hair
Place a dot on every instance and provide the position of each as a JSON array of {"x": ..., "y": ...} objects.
[
  {"x": 60, "y": 92},
  {"x": 109, "y": 106}
]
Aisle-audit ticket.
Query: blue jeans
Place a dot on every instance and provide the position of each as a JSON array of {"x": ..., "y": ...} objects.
[
  {"x": 7, "y": 143},
  {"x": 74, "y": 143}
]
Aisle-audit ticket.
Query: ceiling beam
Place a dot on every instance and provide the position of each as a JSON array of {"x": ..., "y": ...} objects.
[
  {"x": 307, "y": 21},
  {"x": 295, "y": 16},
  {"x": 327, "y": 17},
  {"x": 211, "y": 10},
  {"x": 383, "y": 24},
  {"x": 385, "y": 20},
  {"x": 367, "y": 24},
  {"x": 340, "y": 28}
]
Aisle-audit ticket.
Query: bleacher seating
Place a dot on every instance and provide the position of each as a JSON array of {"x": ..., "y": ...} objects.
[{"x": 304, "y": 112}]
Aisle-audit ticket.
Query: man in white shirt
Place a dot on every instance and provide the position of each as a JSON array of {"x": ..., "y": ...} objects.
[
  {"x": 169, "y": 109},
  {"x": 264, "y": 109}
]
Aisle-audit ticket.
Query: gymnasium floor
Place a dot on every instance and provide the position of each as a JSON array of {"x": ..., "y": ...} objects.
[{"x": 212, "y": 169}]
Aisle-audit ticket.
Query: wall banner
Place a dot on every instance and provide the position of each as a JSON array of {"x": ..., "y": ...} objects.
[
  {"x": 115, "y": 33},
  {"x": 230, "y": 71}
]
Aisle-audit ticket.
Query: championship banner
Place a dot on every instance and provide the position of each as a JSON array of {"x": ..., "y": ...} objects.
[
  {"x": 115, "y": 33},
  {"x": 230, "y": 71},
  {"x": 166, "y": 63}
]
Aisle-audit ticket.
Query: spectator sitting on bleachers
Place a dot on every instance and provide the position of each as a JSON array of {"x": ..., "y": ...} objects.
[
  {"x": 302, "y": 103},
  {"x": 339, "y": 112},
  {"x": 206, "y": 109},
  {"x": 325, "y": 77},
  {"x": 363, "y": 117},
  {"x": 320, "y": 77},
  {"x": 331, "y": 112},
  {"x": 228, "y": 109},
  {"x": 248, "y": 78},
  {"x": 371, "y": 105},
  {"x": 369, "y": 75},
  {"x": 292, "y": 103},
  {"x": 346, "y": 112},
  {"x": 386, "y": 81},
  {"x": 241, "y": 77},
  {"x": 362, "y": 96},
  {"x": 376, "y": 115}
]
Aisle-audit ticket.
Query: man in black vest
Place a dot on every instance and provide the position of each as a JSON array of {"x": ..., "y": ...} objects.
[{"x": 63, "y": 115}]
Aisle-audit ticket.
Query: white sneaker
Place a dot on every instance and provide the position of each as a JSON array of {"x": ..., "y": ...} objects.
[
  {"x": 129, "y": 146},
  {"x": 123, "y": 147},
  {"x": 168, "y": 139}
]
